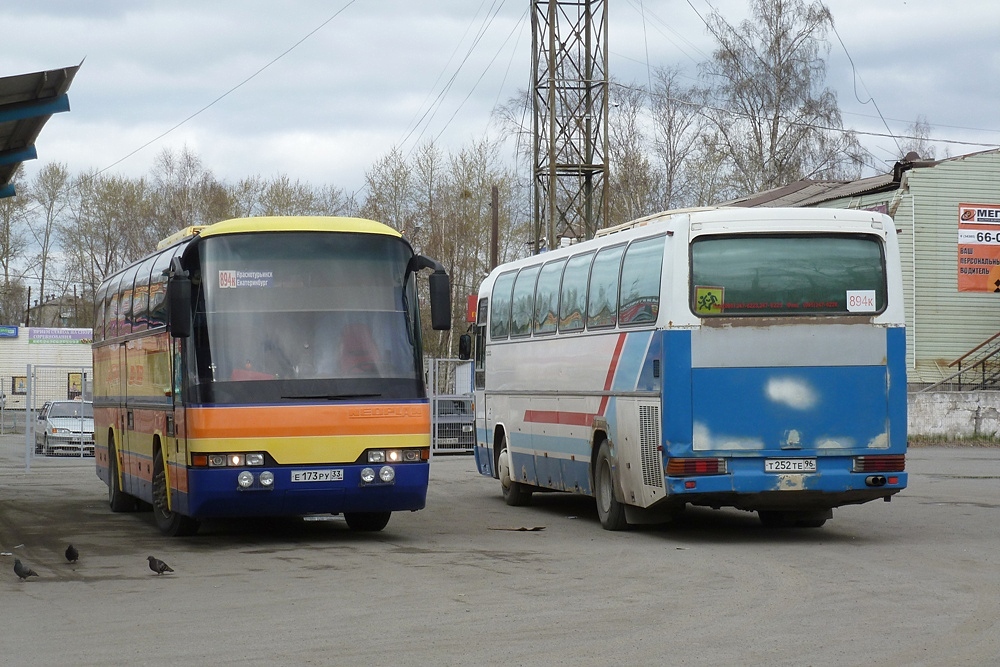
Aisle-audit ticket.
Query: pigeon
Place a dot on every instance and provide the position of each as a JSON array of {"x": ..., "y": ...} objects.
[
  {"x": 72, "y": 554},
  {"x": 23, "y": 572},
  {"x": 158, "y": 566}
]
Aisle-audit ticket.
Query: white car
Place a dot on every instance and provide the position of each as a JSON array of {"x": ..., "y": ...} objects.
[{"x": 65, "y": 427}]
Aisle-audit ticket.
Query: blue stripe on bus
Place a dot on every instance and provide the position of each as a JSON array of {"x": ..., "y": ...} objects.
[
  {"x": 676, "y": 427},
  {"x": 896, "y": 360}
]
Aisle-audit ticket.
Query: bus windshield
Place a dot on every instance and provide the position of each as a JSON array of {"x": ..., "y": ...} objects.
[
  {"x": 303, "y": 315},
  {"x": 787, "y": 275}
]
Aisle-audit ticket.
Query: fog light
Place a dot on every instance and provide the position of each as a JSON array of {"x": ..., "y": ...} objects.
[
  {"x": 376, "y": 456},
  {"x": 245, "y": 479},
  {"x": 387, "y": 474},
  {"x": 255, "y": 459},
  {"x": 266, "y": 478},
  {"x": 217, "y": 460},
  {"x": 367, "y": 475}
]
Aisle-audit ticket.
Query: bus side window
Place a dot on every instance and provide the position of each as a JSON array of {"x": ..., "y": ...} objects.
[
  {"x": 547, "y": 298},
  {"x": 100, "y": 306},
  {"x": 140, "y": 296},
  {"x": 573, "y": 294},
  {"x": 602, "y": 301},
  {"x": 500, "y": 315},
  {"x": 523, "y": 302},
  {"x": 480, "y": 343},
  {"x": 640, "y": 290}
]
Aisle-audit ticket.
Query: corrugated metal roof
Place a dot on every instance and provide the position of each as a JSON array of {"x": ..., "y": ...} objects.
[{"x": 27, "y": 101}]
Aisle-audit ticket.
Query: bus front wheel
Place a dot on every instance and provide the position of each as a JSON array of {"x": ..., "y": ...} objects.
[
  {"x": 609, "y": 510},
  {"x": 118, "y": 500},
  {"x": 515, "y": 494},
  {"x": 367, "y": 521},
  {"x": 170, "y": 523}
]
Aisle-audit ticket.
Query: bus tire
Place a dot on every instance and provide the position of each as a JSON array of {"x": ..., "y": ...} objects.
[
  {"x": 170, "y": 523},
  {"x": 515, "y": 493},
  {"x": 368, "y": 522},
  {"x": 118, "y": 500},
  {"x": 609, "y": 510}
]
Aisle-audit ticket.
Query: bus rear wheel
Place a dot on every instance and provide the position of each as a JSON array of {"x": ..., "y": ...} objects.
[
  {"x": 367, "y": 521},
  {"x": 515, "y": 494},
  {"x": 609, "y": 510},
  {"x": 170, "y": 523}
]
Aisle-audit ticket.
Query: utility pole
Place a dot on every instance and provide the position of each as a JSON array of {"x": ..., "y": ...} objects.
[{"x": 570, "y": 119}]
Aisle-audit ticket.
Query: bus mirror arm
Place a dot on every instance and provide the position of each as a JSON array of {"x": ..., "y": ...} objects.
[
  {"x": 179, "y": 300},
  {"x": 440, "y": 290}
]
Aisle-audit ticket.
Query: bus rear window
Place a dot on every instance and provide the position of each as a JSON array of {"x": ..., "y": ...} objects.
[{"x": 787, "y": 275}]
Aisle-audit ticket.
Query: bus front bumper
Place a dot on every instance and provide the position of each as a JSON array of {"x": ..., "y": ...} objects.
[{"x": 300, "y": 490}]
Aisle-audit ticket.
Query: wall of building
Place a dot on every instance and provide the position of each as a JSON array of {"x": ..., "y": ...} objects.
[
  {"x": 955, "y": 415},
  {"x": 39, "y": 346}
]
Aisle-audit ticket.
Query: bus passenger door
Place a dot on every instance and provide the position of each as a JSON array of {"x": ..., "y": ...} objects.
[{"x": 484, "y": 433}]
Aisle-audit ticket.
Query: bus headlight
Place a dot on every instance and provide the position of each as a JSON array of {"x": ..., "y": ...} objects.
[
  {"x": 367, "y": 475},
  {"x": 267, "y": 479},
  {"x": 376, "y": 456},
  {"x": 394, "y": 456},
  {"x": 387, "y": 474},
  {"x": 245, "y": 479},
  {"x": 255, "y": 459}
]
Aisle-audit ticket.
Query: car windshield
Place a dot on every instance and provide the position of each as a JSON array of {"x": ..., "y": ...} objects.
[{"x": 71, "y": 410}]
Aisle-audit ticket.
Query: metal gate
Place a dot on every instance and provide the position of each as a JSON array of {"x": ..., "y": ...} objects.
[{"x": 453, "y": 419}]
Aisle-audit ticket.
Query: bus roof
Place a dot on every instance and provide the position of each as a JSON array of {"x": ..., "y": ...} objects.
[{"x": 298, "y": 224}]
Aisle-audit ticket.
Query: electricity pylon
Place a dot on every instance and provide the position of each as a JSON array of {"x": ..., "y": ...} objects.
[{"x": 570, "y": 119}]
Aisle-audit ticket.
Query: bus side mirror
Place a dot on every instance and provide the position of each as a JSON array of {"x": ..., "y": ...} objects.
[
  {"x": 440, "y": 301},
  {"x": 465, "y": 347},
  {"x": 179, "y": 306}
]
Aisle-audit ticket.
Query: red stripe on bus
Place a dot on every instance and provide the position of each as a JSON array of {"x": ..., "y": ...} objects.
[{"x": 579, "y": 418}]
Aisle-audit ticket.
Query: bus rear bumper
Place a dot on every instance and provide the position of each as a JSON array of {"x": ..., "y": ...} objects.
[
  {"x": 784, "y": 491},
  {"x": 216, "y": 493}
]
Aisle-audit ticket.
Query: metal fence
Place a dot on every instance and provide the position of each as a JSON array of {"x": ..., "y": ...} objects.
[
  {"x": 22, "y": 399},
  {"x": 449, "y": 384}
]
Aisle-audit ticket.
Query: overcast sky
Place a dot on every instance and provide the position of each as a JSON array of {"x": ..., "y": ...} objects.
[{"x": 319, "y": 90}]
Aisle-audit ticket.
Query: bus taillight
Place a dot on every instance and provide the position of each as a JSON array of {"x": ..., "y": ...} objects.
[
  {"x": 880, "y": 463},
  {"x": 699, "y": 466}
]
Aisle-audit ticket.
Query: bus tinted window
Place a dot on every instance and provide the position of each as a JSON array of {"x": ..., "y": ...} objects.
[
  {"x": 100, "y": 305},
  {"x": 640, "y": 290},
  {"x": 500, "y": 317},
  {"x": 158, "y": 289},
  {"x": 140, "y": 296},
  {"x": 547, "y": 297},
  {"x": 602, "y": 303},
  {"x": 522, "y": 306},
  {"x": 787, "y": 275},
  {"x": 573, "y": 295}
]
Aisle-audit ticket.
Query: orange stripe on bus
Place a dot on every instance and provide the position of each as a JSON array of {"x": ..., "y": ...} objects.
[{"x": 308, "y": 420}]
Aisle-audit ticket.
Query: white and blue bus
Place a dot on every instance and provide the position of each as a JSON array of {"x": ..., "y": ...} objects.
[{"x": 727, "y": 357}]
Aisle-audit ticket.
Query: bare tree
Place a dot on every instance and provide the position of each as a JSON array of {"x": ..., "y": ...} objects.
[
  {"x": 920, "y": 144},
  {"x": 678, "y": 124},
  {"x": 50, "y": 191},
  {"x": 13, "y": 249},
  {"x": 768, "y": 108},
  {"x": 634, "y": 181},
  {"x": 390, "y": 192}
]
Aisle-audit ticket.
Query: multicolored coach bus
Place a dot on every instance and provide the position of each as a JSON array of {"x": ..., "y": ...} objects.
[
  {"x": 266, "y": 367},
  {"x": 747, "y": 358}
]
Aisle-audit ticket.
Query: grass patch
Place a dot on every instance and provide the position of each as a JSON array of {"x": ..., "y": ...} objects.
[{"x": 942, "y": 441}]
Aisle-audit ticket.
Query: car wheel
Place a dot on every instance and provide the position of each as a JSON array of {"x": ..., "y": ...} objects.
[{"x": 45, "y": 446}]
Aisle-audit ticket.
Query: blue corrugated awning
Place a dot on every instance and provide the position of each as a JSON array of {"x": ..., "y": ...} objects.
[{"x": 27, "y": 101}]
